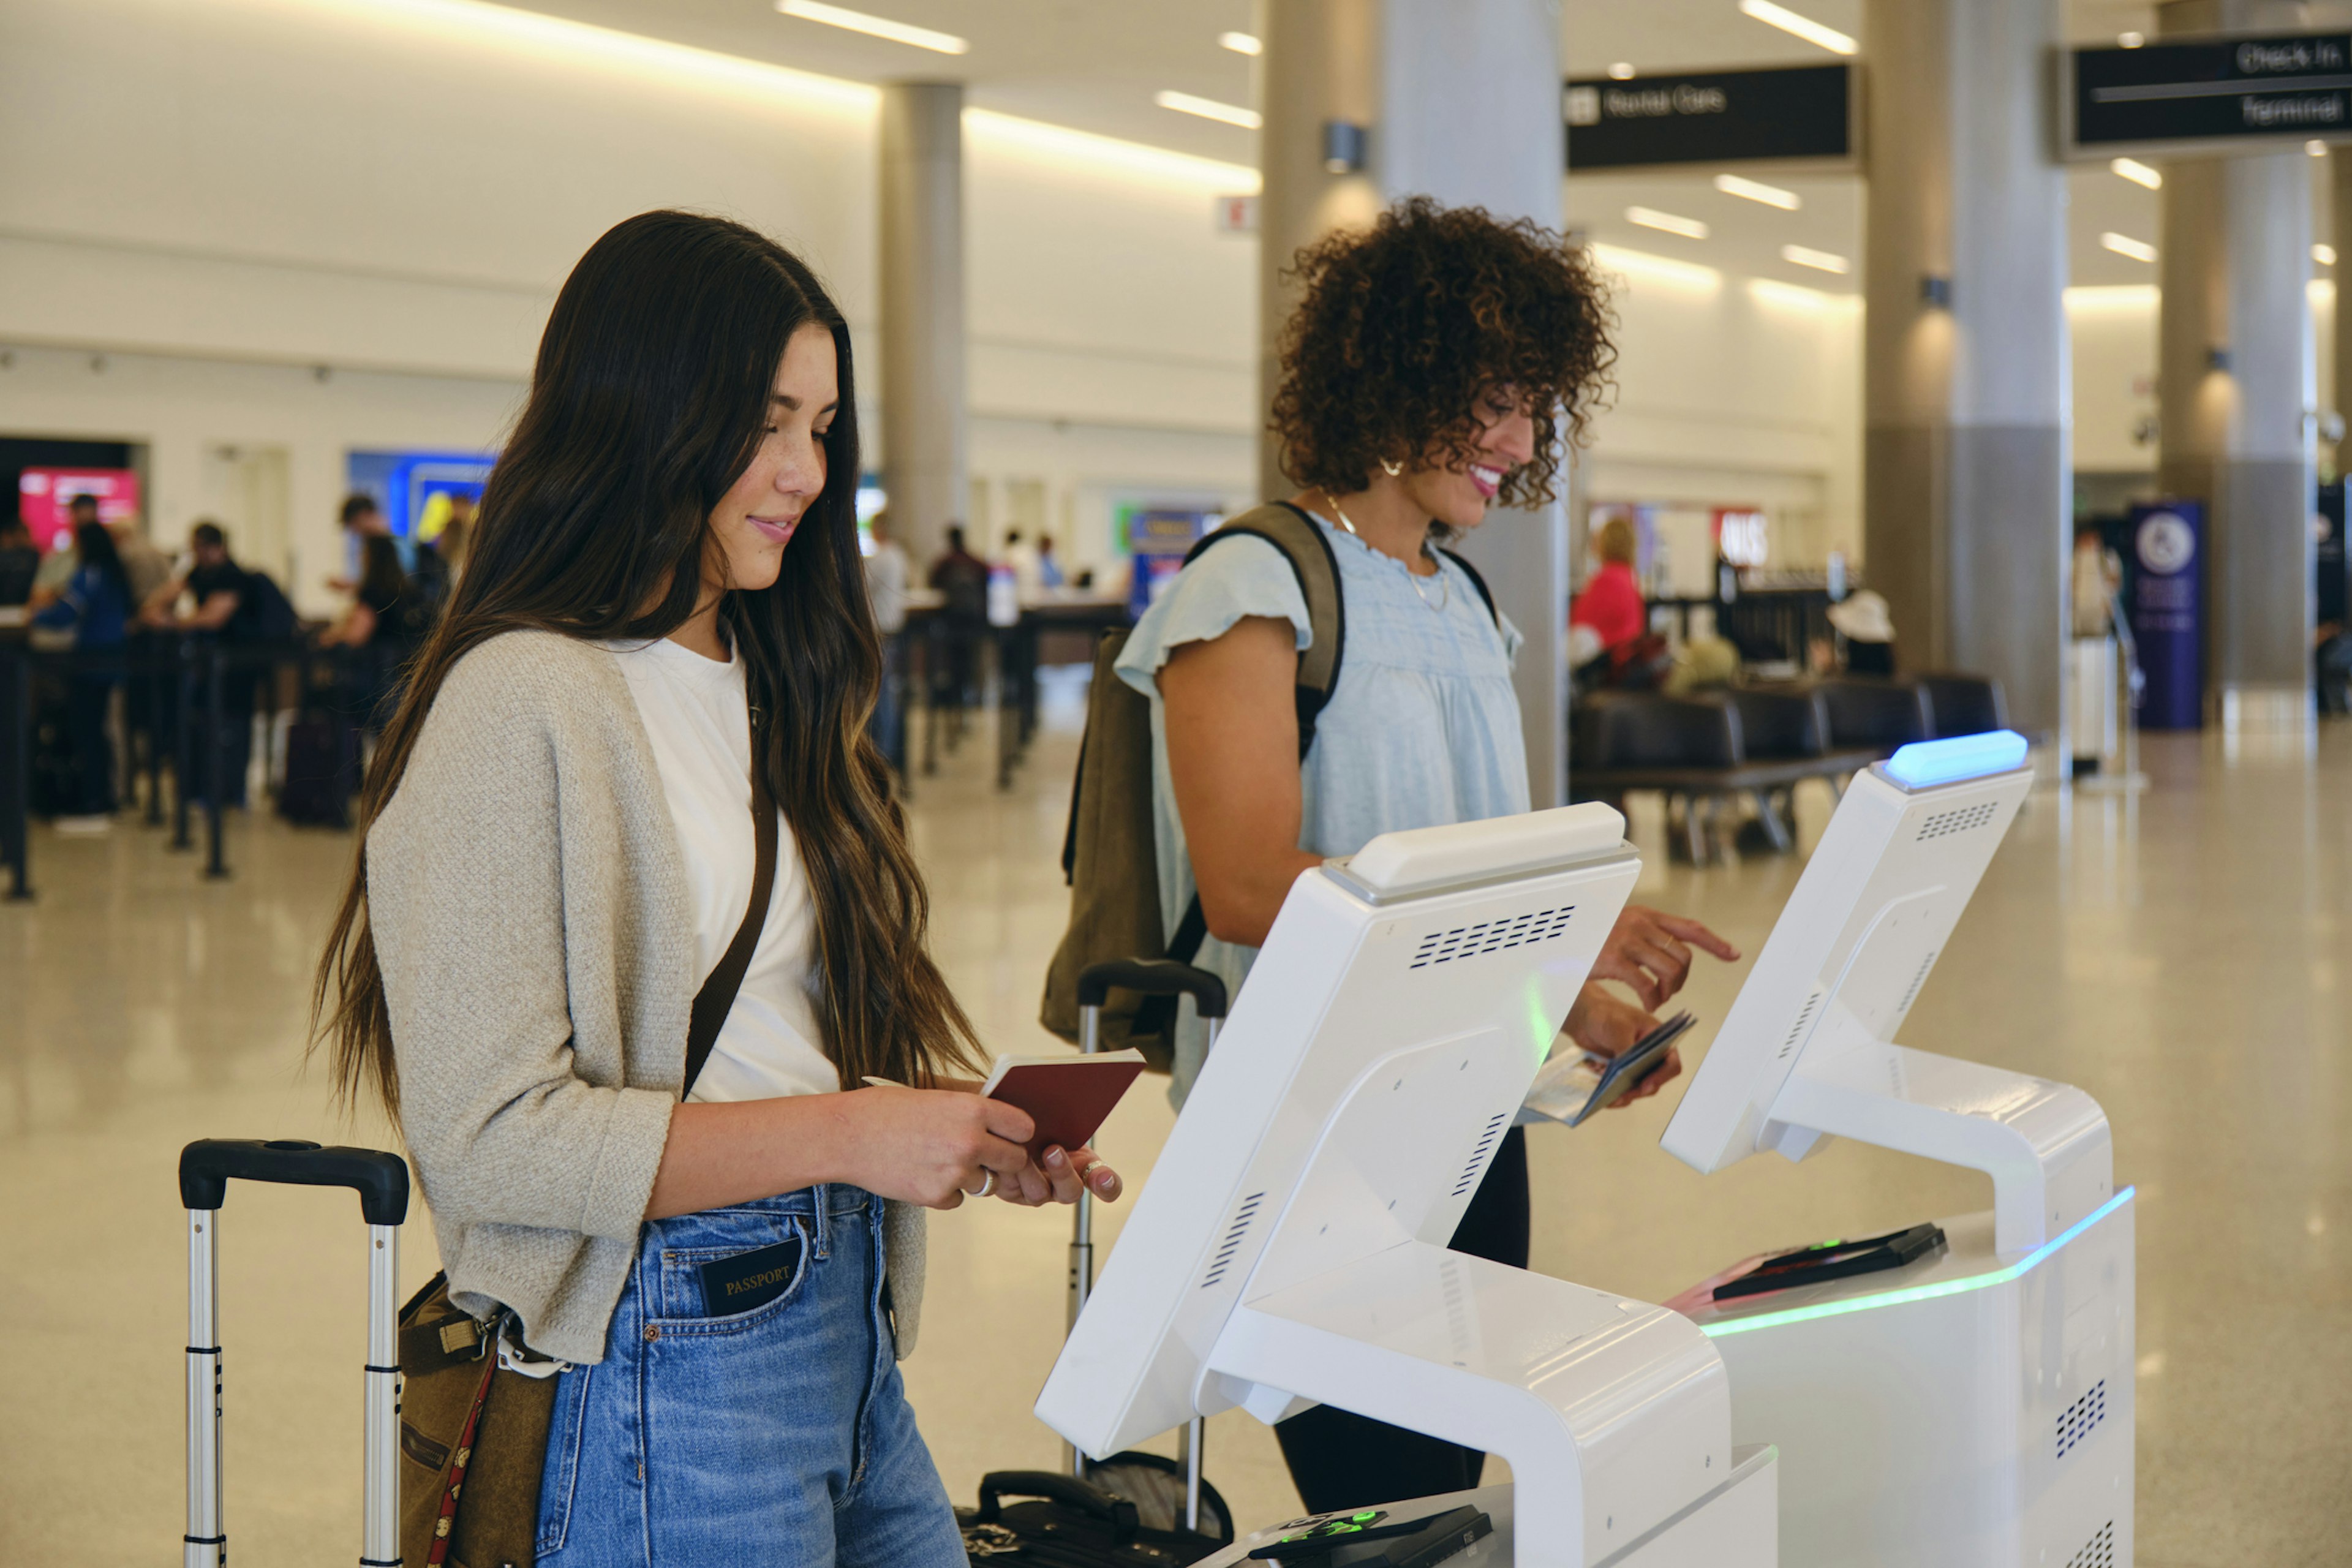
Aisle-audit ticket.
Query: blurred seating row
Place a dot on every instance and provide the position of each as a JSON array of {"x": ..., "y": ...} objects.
[{"x": 1707, "y": 751}]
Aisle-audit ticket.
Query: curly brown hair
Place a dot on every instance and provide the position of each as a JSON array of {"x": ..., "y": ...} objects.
[{"x": 1405, "y": 325}]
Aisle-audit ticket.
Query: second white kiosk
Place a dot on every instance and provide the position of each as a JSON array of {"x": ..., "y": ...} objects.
[{"x": 1973, "y": 1407}]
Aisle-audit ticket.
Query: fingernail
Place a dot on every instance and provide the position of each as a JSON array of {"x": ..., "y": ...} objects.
[{"x": 1056, "y": 1159}]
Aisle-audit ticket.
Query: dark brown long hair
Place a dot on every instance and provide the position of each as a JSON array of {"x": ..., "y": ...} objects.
[{"x": 648, "y": 400}]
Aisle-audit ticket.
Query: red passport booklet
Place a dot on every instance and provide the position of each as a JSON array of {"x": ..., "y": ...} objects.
[{"x": 1067, "y": 1097}]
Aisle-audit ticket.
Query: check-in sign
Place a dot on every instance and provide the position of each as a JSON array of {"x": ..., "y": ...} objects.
[{"x": 2213, "y": 94}]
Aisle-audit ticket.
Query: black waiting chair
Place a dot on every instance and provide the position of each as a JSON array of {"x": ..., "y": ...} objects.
[
  {"x": 1875, "y": 716},
  {"x": 1964, "y": 704}
]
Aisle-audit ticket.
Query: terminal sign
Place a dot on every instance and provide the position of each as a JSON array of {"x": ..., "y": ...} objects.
[
  {"x": 1802, "y": 112},
  {"x": 2171, "y": 97}
]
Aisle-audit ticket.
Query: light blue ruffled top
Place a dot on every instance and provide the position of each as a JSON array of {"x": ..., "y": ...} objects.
[{"x": 1422, "y": 728}]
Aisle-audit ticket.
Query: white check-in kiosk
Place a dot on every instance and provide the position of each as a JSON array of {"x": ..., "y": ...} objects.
[
  {"x": 1290, "y": 1247},
  {"x": 1973, "y": 1407}
]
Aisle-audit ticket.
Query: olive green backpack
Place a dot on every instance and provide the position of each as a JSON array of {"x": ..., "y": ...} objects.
[{"x": 1108, "y": 854}]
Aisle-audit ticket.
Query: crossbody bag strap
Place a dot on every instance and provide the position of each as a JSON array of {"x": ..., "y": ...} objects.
[{"x": 716, "y": 998}]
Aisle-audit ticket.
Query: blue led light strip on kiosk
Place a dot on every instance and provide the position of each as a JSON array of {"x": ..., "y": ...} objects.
[
  {"x": 1922, "y": 1293},
  {"x": 1925, "y": 763}
]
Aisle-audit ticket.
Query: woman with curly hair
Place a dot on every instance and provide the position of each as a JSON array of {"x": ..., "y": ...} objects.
[{"x": 1438, "y": 364}]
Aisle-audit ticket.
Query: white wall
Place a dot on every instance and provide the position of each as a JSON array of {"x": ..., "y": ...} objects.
[
  {"x": 223, "y": 196},
  {"x": 1734, "y": 392}
]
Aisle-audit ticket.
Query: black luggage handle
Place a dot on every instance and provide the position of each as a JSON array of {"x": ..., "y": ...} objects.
[
  {"x": 1152, "y": 977},
  {"x": 1108, "y": 1507},
  {"x": 208, "y": 1166}
]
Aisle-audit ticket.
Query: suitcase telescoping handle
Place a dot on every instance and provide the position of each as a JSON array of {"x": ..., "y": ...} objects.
[
  {"x": 206, "y": 1168},
  {"x": 1152, "y": 977}
]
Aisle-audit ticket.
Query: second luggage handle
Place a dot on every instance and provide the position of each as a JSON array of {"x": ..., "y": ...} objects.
[
  {"x": 1150, "y": 977},
  {"x": 206, "y": 1167}
]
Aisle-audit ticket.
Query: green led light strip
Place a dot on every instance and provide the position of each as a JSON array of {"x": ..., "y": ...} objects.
[{"x": 1919, "y": 1293}]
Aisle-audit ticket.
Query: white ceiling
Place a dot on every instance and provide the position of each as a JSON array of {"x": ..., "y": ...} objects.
[{"x": 1095, "y": 64}]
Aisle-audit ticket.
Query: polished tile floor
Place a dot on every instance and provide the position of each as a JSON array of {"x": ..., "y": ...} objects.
[{"x": 2186, "y": 957}]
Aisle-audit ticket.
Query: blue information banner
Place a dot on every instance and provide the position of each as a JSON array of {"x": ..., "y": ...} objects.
[{"x": 2168, "y": 612}]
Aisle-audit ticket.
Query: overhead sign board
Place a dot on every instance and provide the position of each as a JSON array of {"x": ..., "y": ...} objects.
[
  {"x": 1788, "y": 114},
  {"x": 2209, "y": 94}
]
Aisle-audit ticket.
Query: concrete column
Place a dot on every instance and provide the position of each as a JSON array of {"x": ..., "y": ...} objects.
[
  {"x": 922, "y": 310},
  {"x": 1318, "y": 64},
  {"x": 2339, "y": 234},
  {"x": 2235, "y": 386},
  {"x": 1964, "y": 350},
  {"x": 1463, "y": 101}
]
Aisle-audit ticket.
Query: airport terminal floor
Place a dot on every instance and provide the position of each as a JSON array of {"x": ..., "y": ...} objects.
[{"x": 2185, "y": 956}]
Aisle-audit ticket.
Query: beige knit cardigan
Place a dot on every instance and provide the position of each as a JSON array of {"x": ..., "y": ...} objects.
[{"x": 529, "y": 902}]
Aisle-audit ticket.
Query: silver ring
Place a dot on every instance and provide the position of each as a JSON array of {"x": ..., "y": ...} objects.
[{"x": 987, "y": 1183}]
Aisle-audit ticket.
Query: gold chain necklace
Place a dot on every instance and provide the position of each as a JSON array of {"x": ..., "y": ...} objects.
[{"x": 1444, "y": 583}]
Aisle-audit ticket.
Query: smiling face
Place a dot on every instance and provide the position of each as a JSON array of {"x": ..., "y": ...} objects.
[
  {"x": 756, "y": 518},
  {"x": 1457, "y": 492}
]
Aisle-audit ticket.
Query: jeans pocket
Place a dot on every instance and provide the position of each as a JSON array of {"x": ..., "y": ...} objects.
[
  {"x": 714, "y": 1290},
  {"x": 560, "y": 1477}
]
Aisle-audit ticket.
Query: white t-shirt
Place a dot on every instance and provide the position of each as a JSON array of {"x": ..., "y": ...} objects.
[{"x": 698, "y": 719}]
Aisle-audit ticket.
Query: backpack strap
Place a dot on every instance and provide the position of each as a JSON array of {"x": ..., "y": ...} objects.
[
  {"x": 1477, "y": 582},
  {"x": 1300, "y": 539},
  {"x": 716, "y": 998}
]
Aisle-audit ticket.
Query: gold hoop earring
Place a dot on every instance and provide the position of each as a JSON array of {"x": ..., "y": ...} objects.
[{"x": 1391, "y": 470}]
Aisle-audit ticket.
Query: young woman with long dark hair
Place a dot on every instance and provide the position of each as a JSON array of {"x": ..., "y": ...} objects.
[{"x": 664, "y": 601}]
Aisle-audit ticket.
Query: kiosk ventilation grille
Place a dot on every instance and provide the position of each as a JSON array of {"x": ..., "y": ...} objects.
[
  {"x": 2081, "y": 1417},
  {"x": 1803, "y": 1020},
  {"x": 1955, "y": 821},
  {"x": 1232, "y": 1241},
  {"x": 1491, "y": 936},
  {"x": 1911, "y": 992},
  {"x": 1478, "y": 1154},
  {"x": 2099, "y": 1551}
]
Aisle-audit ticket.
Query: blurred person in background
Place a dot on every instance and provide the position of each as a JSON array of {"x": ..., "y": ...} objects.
[
  {"x": 386, "y": 621},
  {"x": 144, "y": 567},
  {"x": 20, "y": 562},
  {"x": 1049, "y": 570},
  {"x": 1438, "y": 365},
  {"x": 63, "y": 560},
  {"x": 2097, "y": 573},
  {"x": 94, "y": 607},
  {"x": 442, "y": 557},
  {"x": 1866, "y": 634},
  {"x": 218, "y": 596},
  {"x": 887, "y": 573},
  {"x": 359, "y": 518},
  {"x": 961, "y": 579},
  {"x": 1611, "y": 606},
  {"x": 1022, "y": 557}
]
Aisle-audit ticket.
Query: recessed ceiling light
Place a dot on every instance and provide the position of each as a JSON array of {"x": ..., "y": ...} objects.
[
  {"x": 873, "y": 27},
  {"x": 1651, "y": 218},
  {"x": 1621, "y": 71},
  {"x": 1805, "y": 27},
  {"x": 2130, "y": 40},
  {"x": 1756, "y": 191},
  {"x": 1820, "y": 260},
  {"x": 1241, "y": 43},
  {"x": 2137, "y": 173},
  {"x": 2315, "y": 147},
  {"x": 1208, "y": 109},
  {"x": 2324, "y": 254},
  {"x": 2124, "y": 244}
]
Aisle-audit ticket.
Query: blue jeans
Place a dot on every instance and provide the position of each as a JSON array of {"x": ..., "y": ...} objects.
[{"x": 779, "y": 1435}]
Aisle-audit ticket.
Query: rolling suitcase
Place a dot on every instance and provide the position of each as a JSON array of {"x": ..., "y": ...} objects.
[
  {"x": 206, "y": 1168},
  {"x": 1132, "y": 1510}
]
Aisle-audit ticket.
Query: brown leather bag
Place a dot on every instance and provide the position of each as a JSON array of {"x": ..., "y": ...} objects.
[{"x": 473, "y": 1435}]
